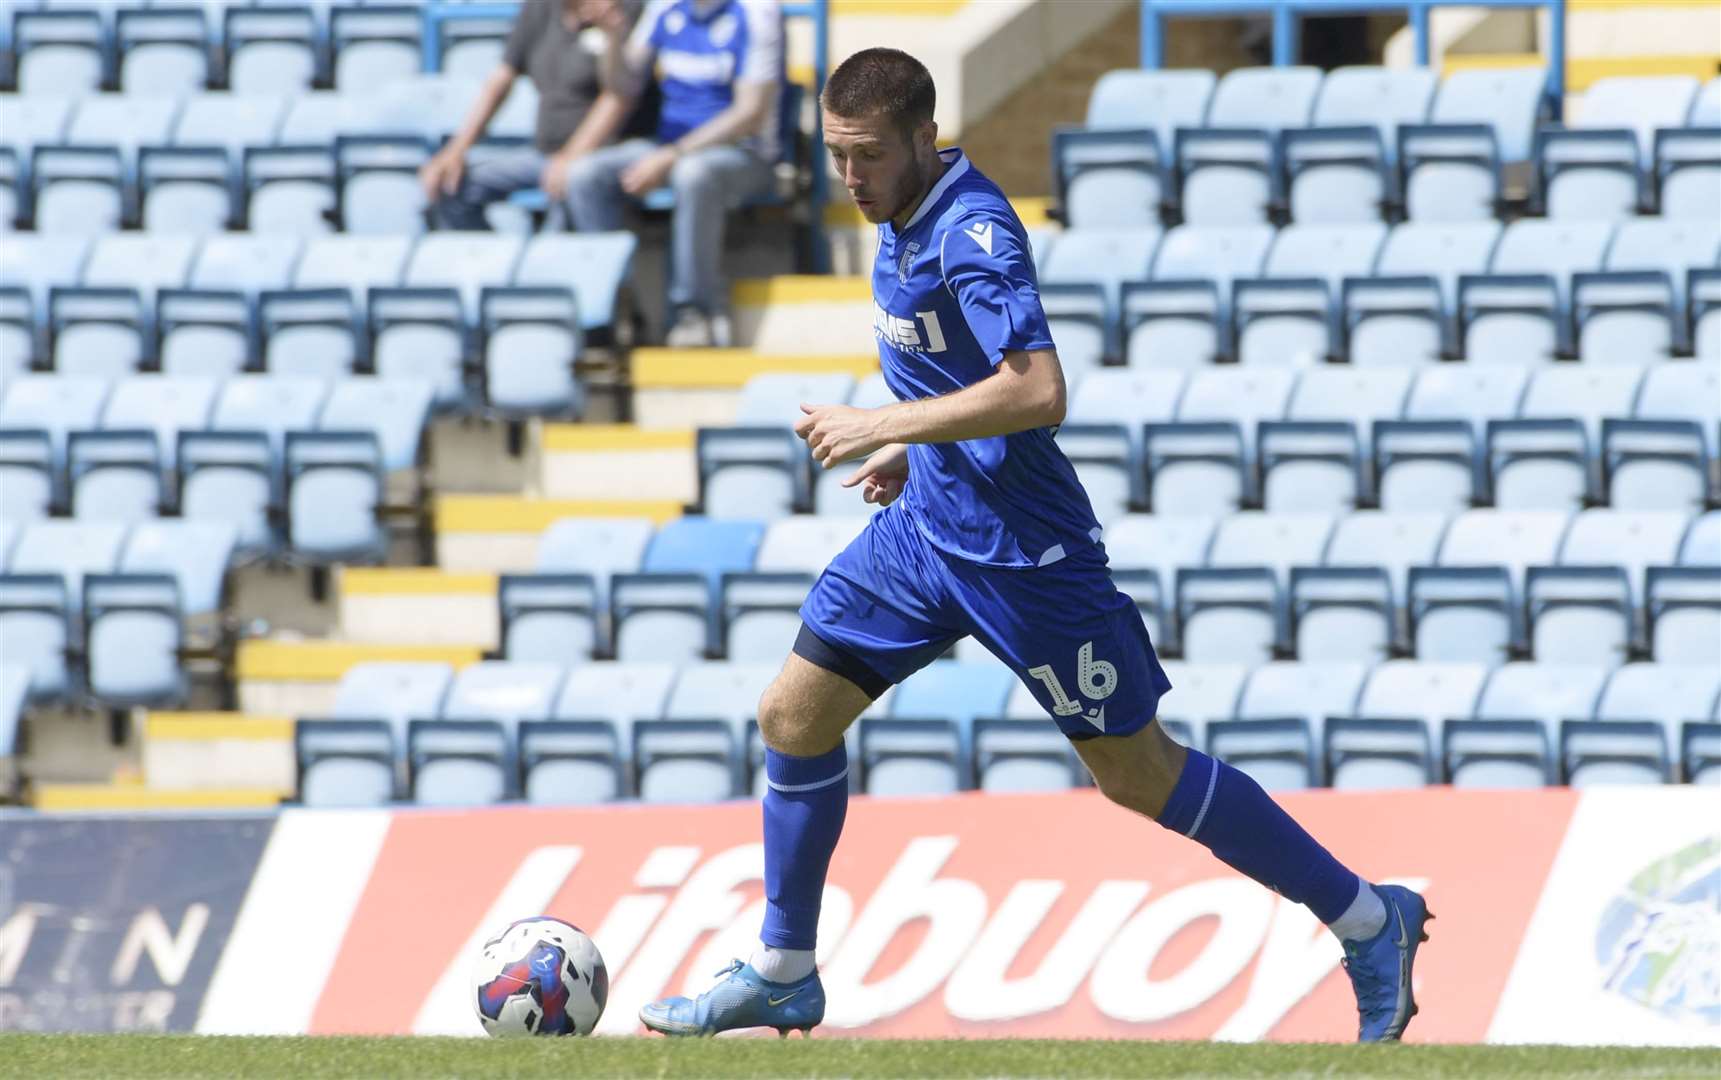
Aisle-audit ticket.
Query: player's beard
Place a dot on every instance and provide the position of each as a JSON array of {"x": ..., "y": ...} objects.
[{"x": 916, "y": 182}]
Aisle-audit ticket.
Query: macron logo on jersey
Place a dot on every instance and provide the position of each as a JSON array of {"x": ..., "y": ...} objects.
[{"x": 981, "y": 231}]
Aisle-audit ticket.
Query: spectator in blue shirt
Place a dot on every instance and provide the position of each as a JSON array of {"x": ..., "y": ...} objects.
[{"x": 719, "y": 67}]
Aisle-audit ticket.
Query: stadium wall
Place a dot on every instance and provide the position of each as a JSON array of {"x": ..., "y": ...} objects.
[{"x": 1564, "y": 917}]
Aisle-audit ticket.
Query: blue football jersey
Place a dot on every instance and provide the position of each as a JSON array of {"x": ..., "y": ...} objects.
[{"x": 953, "y": 291}]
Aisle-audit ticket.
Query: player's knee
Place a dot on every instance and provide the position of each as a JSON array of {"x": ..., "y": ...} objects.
[
  {"x": 781, "y": 725},
  {"x": 1138, "y": 771}
]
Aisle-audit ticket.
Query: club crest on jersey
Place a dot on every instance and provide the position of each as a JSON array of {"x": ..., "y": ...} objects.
[{"x": 906, "y": 261}]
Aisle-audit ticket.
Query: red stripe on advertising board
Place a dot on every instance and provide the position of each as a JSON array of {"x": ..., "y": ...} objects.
[{"x": 1177, "y": 945}]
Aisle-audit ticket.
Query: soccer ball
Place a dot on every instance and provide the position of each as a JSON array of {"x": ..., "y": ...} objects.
[{"x": 539, "y": 976}]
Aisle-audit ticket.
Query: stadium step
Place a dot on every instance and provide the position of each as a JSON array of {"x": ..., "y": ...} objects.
[
  {"x": 498, "y": 534},
  {"x": 200, "y": 751},
  {"x": 416, "y": 605},
  {"x": 299, "y": 678},
  {"x": 690, "y": 388},
  {"x": 109, "y": 798},
  {"x": 803, "y": 314}
]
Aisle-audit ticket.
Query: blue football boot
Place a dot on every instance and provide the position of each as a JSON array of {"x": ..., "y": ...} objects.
[
  {"x": 1380, "y": 967},
  {"x": 741, "y": 1000}
]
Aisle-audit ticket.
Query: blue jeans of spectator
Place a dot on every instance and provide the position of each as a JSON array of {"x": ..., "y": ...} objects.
[
  {"x": 708, "y": 184},
  {"x": 489, "y": 177}
]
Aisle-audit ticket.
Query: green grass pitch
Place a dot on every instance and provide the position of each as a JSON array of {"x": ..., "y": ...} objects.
[{"x": 43, "y": 1056}]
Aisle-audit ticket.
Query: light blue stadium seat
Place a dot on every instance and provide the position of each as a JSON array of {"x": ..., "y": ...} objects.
[
  {"x": 146, "y": 262},
  {"x": 1468, "y": 607},
  {"x": 1687, "y": 163},
  {"x": 1309, "y": 469},
  {"x": 1548, "y": 693},
  {"x": 1232, "y": 610},
  {"x": 598, "y": 546},
  {"x": 1313, "y": 465},
  {"x": 1289, "y": 315},
  {"x": 186, "y": 189},
  {"x": 1585, "y": 609},
  {"x": 1434, "y": 693},
  {"x": 430, "y": 106},
  {"x": 101, "y": 332},
  {"x": 457, "y": 763},
  {"x": 289, "y": 189},
  {"x": 620, "y": 693},
  {"x": 392, "y": 692},
  {"x": 752, "y": 471},
  {"x": 132, "y": 628},
  {"x": 571, "y": 763},
  {"x": 345, "y": 763},
  {"x": 1401, "y": 314},
  {"x": 126, "y": 121},
  {"x": 912, "y": 756},
  {"x": 776, "y": 397},
  {"x": 954, "y": 690},
  {"x": 503, "y": 691},
  {"x": 1702, "y": 543},
  {"x": 1706, "y": 106},
  {"x": 334, "y": 496},
  {"x": 310, "y": 333},
  {"x": 231, "y": 120},
  {"x": 421, "y": 333},
  {"x": 1018, "y": 756},
  {"x": 1106, "y": 463},
  {"x": 1181, "y": 318},
  {"x": 1517, "y": 312},
  {"x": 31, "y": 120},
  {"x": 663, "y": 616},
  {"x": 1111, "y": 173},
  {"x": 29, "y": 478},
  {"x": 14, "y": 188},
  {"x": 470, "y": 46},
  {"x": 270, "y": 50},
  {"x": 1700, "y": 751},
  {"x": 549, "y": 618},
  {"x": 1431, "y": 460},
  {"x": 1498, "y": 754},
  {"x": 234, "y": 477},
  {"x": 686, "y": 760},
  {"x": 395, "y": 411},
  {"x": 246, "y": 262},
  {"x": 1204, "y": 462},
  {"x": 36, "y": 619},
  {"x": 532, "y": 339},
  {"x": 1228, "y": 171},
  {"x": 30, "y": 265},
  {"x": 164, "y": 404},
  {"x": 761, "y": 614},
  {"x": 1081, "y": 283},
  {"x": 1127, "y": 397},
  {"x": 1312, "y": 692},
  {"x": 1277, "y": 754},
  {"x": 14, "y": 692},
  {"x": 594, "y": 264},
  {"x": 115, "y": 475},
  {"x": 379, "y": 191},
  {"x": 78, "y": 189},
  {"x": 1201, "y": 694},
  {"x": 1604, "y": 752},
  {"x": 195, "y": 554},
  {"x": 1348, "y": 608},
  {"x": 1669, "y": 694},
  {"x": 9, "y": 529},
  {"x": 164, "y": 50},
  {"x": 70, "y": 549},
  {"x": 701, "y": 545},
  {"x": 1703, "y": 294},
  {"x": 60, "y": 52},
  {"x": 1378, "y": 754},
  {"x": 57, "y": 405},
  {"x": 1341, "y": 167},
  {"x": 374, "y": 47},
  {"x": 1149, "y": 549},
  {"x": 1635, "y": 311},
  {"x": 1683, "y": 610},
  {"x": 204, "y": 333},
  {"x": 1549, "y": 457},
  {"x": 1481, "y": 119},
  {"x": 1594, "y": 167},
  {"x": 319, "y": 117}
]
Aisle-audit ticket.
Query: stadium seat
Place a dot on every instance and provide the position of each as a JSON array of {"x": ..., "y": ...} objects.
[
  {"x": 124, "y": 121},
  {"x": 1516, "y": 313},
  {"x": 1019, "y": 756},
  {"x": 1687, "y": 168},
  {"x": 1181, "y": 318},
  {"x": 726, "y": 691},
  {"x": 1378, "y": 754},
  {"x": 665, "y": 616},
  {"x": 195, "y": 554},
  {"x": 78, "y": 189},
  {"x": 246, "y": 262},
  {"x": 1549, "y": 693},
  {"x": 1593, "y": 168},
  {"x": 115, "y": 475},
  {"x": 1111, "y": 173},
  {"x": 420, "y": 333},
  {"x": 1346, "y": 609},
  {"x": 686, "y": 761},
  {"x": 1401, "y": 314},
  {"x": 531, "y": 341},
  {"x": 1311, "y": 692},
  {"x": 1498, "y": 754},
  {"x": 595, "y": 264},
  {"x": 1317, "y": 460},
  {"x": 56, "y": 405},
  {"x": 34, "y": 120},
  {"x": 596, "y": 546},
  {"x": 334, "y": 492},
  {"x": 1549, "y": 457},
  {"x": 132, "y": 629},
  {"x": 471, "y": 45},
  {"x": 954, "y": 690},
  {"x": 752, "y": 471},
  {"x": 272, "y": 50},
  {"x": 761, "y": 614},
  {"x": 1081, "y": 287},
  {"x": 1228, "y": 172},
  {"x": 1433, "y": 692},
  {"x": 1342, "y": 167},
  {"x": 1278, "y": 754},
  {"x": 163, "y": 50},
  {"x": 619, "y": 694},
  {"x": 1598, "y": 752},
  {"x": 460, "y": 763},
  {"x": 1204, "y": 462},
  {"x": 547, "y": 618},
  {"x": 395, "y": 411},
  {"x": 1634, "y": 311},
  {"x": 1702, "y": 543},
  {"x": 186, "y": 189},
  {"x": 1699, "y": 751},
  {"x": 64, "y": 52},
  {"x": 14, "y": 693},
  {"x": 1682, "y": 606},
  {"x": 1289, "y": 314},
  {"x": 1481, "y": 119},
  {"x": 230, "y": 120},
  {"x": 146, "y": 262},
  {"x": 1669, "y": 694},
  {"x": 162, "y": 404},
  {"x": 466, "y": 262},
  {"x": 919, "y": 756},
  {"x": 503, "y": 691},
  {"x": 374, "y": 46},
  {"x": 70, "y": 549},
  {"x": 289, "y": 189},
  {"x": 1585, "y": 609},
  {"x": 378, "y": 188},
  {"x": 570, "y": 763},
  {"x": 97, "y": 331},
  {"x": 1232, "y": 610},
  {"x": 18, "y": 331},
  {"x": 392, "y": 692},
  {"x": 1150, "y": 548},
  {"x": 345, "y": 764},
  {"x": 1201, "y": 694},
  {"x": 1106, "y": 464},
  {"x": 29, "y": 476},
  {"x": 36, "y": 619},
  {"x": 1469, "y": 608},
  {"x": 201, "y": 333},
  {"x": 1663, "y": 458}
]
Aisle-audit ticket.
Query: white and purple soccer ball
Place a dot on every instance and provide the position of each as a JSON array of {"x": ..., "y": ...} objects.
[{"x": 539, "y": 976}]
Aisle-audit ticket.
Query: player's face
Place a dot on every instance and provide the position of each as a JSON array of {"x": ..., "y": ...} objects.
[{"x": 879, "y": 163}]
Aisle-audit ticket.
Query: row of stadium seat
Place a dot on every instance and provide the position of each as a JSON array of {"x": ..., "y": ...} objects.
[
  {"x": 272, "y": 48},
  {"x": 1528, "y": 292},
  {"x": 1325, "y": 438},
  {"x": 1360, "y": 143},
  {"x": 501, "y": 730}
]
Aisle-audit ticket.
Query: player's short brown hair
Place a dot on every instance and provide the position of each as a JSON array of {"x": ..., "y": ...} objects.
[{"x": 887, "y": 81}]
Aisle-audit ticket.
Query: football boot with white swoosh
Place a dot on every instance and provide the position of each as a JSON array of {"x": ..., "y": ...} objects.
[
  {"x": 742, "y": 1000},
  {"x": 1380, "y": 968}
]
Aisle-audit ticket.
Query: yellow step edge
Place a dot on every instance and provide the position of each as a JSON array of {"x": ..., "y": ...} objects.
[
  {"x": 510, "y": 514},
  {"x": 1584, "y": 72},
  {"x": 701, "y": 369},
  {"x": 616, "y": 437},
  {"x": 209, "y": 726},
  {"x": 1638, "y": 5},
  {"x": 126, "y": 797},
  {"x": 896, "y": 8},
  {"x": 412, "y": 581},
  {"x": 326, "y": 661},
  {"x": 801, "y": 289}
]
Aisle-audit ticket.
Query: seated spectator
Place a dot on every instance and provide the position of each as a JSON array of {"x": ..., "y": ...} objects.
[
  {"x": 561, "y": 45},
  {"x": 719, "y": 65}
]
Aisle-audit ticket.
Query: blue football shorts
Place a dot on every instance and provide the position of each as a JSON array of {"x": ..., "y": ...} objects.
[{"x": 891, "y": 603}]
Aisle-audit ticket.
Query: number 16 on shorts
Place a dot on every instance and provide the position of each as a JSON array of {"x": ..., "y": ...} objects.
[{"x": 1096, "y": 680}]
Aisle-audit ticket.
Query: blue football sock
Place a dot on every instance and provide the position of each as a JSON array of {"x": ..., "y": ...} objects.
[
  {"x": 805, "y": 804},
  {"x": 1222, "y": 809}
]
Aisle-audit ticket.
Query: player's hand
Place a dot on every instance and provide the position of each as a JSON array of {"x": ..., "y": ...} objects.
[
  {"x": 650, "y": 171},
  {"x": 838, "y": 433},
  {"x": 441, "y": 175},
  {"x": 554, "y": 179},
  {"x": 883, "y": 475}
]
